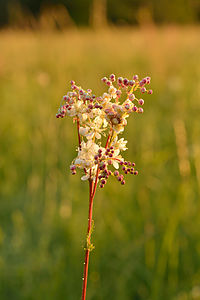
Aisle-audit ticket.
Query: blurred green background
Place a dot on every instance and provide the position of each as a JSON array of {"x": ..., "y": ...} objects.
[{"x": 147, "y": 233}]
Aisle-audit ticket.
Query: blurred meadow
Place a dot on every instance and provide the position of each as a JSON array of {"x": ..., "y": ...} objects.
[{"x": 147, "y": 233}]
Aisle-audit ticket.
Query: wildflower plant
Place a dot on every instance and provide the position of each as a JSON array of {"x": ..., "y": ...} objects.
[{"x": 100, "y": 120}]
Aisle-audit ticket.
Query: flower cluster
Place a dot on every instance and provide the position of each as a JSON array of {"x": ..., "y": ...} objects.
[{"x": 100, "y": 118}]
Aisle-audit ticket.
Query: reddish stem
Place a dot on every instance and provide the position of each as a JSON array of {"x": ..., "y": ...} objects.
[
  {"x": 92, "y": 191},
  {"x": 79, "y": 138},
  {"x": 108, "y": 140},
  {"x": 87, "y": 252}
]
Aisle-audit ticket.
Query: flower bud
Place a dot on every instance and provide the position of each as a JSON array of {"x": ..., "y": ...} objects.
[
  {"x": 143, "y": 90},
  {"x": 127, "y": 106},
  {"x": 104, "y": 79},
  {"x": 141, "y": 101},
  {"x": 112, "y": 77},
  {"x": 125, "y": 82},
  {"x": 116, "y": 173},
  {"x": 134, "y": 108},
  {"x": 131, "y": 97},
  {"x": 119, "y": 80},
  {"x": 73, "y": 167},
  {"x": 140, "y": 110},
  {"x": 118, "y": 93},
  {"x": 131, "y": 82}
]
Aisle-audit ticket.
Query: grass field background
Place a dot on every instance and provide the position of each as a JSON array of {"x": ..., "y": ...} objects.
[{"x": 147, "y": 233}]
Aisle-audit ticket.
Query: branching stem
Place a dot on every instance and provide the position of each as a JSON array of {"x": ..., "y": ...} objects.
[{"x": 92, "y": 191}]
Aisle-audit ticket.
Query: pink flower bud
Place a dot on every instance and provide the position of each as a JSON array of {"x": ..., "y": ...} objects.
[
  {"x": 144, "y": 80},
  {"x": 118, "y": 93},
  {"x": 104, "y": 79},
  {"x": 134, "y": 108},
  {"x": 112, "y": 77},
  {"x": 120, "y": 80},
  {"x": 127, "y": 106},
  {"x": 131, "y": 97},
  {"x": 125, "y": 82},
  {"x": 148, "y": 79},
  {"x": 131, "y": 82},
  {"x": 141, "y": 101},
  {"x": 150, "y": 92},
  {"x": 116, "y": 173},
  {"x": 143, "y": 90},
  {"x": 140, "y": 110}
]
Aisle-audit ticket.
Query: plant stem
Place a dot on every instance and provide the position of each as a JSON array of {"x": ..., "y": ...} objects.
[
  {"x": 87, "y": 251},
  {"x": 79, "y": 138},
  {"x": 92, "y": 191}
]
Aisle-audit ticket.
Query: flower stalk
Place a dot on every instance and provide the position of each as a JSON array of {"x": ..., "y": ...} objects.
[
  {"x": 96, "y": 117},
  {"x": 87, "y": 249}
]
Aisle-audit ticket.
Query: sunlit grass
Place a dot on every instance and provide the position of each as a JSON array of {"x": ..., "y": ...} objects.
[{"x": 146, "y": 233}]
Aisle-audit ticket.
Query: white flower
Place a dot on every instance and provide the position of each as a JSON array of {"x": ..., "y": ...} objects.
[
  {"x": 85, "y": 177},
  {"x": 83, "y": 130},
  {"x": 86, "y": 153},
  {"x": 106, "y": 98},
  {"x": 112, "y": 91},
  {"x": 119, "y": 144},
  {"x": 118, "y": 128},
  {"x": 115, "y": 164}
]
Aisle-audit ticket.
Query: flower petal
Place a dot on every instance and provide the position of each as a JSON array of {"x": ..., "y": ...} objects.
[
  {"x": 115, "y": 165},
  {"x": 85, "y": 177}
]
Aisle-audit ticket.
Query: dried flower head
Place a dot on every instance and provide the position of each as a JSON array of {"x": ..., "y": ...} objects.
[{"x": 100, "y": 117}]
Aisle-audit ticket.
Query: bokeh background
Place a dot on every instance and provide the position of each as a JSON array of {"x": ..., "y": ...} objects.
[{"x": 147, "y": 233}]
